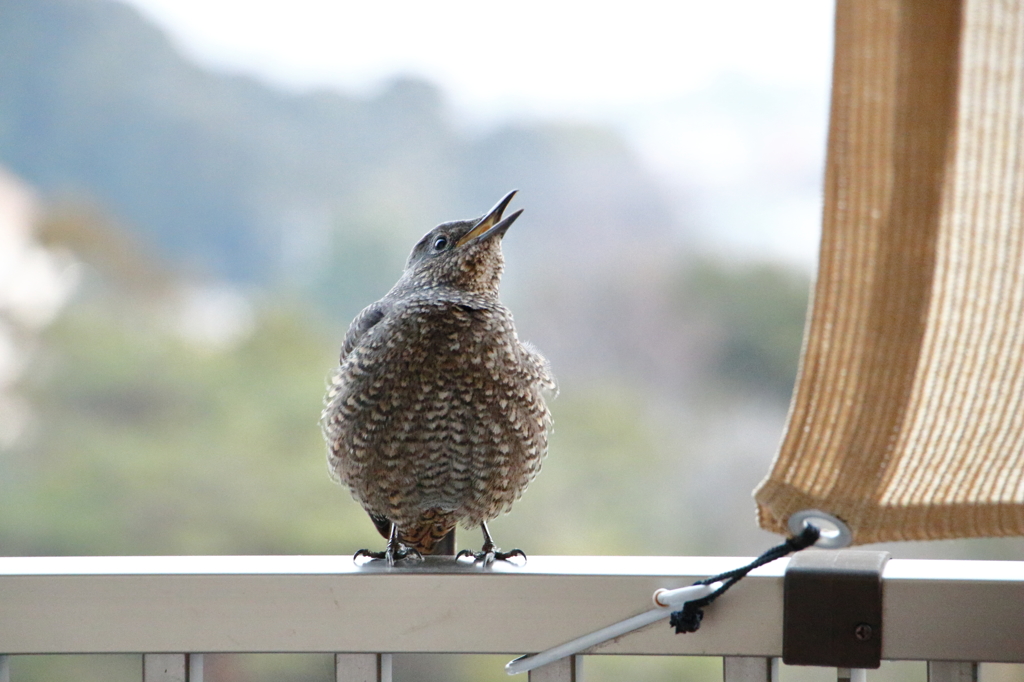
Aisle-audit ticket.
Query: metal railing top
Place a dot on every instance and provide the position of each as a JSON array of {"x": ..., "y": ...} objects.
[
  {"x": 939, "y": 610},
  {"x": 344, "y": 565}
]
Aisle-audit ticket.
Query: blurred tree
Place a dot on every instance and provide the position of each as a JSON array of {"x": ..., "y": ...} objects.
[
  {"x": 150, "y": 443},
  {"x": 757, "y": 314}
]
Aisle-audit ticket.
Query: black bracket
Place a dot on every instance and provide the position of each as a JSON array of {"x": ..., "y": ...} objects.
[{"x": 832, "y": 612}]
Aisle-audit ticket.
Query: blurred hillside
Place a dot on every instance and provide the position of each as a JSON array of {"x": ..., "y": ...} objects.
[{"x": 243, "y": 181}]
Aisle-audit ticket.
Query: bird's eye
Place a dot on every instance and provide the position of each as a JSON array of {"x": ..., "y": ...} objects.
[{"x": 440, "y": 243}]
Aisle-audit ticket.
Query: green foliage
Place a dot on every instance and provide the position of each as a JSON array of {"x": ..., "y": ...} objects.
[
  {"x": 148, "y": 445},
  {"x": 607, "y": 454},
  {"x": 757, "y": 312}
]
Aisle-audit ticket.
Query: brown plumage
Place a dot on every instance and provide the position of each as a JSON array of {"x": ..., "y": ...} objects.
[{"x": 436, "y": 415}]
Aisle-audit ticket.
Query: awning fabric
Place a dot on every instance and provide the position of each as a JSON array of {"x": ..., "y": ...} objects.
[{"x": 907, "y": 421}]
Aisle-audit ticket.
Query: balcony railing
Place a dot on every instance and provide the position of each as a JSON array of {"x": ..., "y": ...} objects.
[{"x": 953, "y": 614}]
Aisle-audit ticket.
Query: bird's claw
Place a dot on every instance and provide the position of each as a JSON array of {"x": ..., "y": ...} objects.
[
  {"x": 488, "y": 555},
  {"x": 368, "y": 554},
  {"x": 392, "y": 555}
]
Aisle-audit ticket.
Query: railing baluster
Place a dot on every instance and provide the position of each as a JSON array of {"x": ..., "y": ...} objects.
[
  {"x": 750, "y": 669},
  {"x": 164, "y": 668},
  {"x": 851, "y": 675},
  {"x": 952, "y": 671},
  {"x": 5, "y": 668},
  {"x": 169, "y": 668},
  {"x": 568, "y": 669},
  {"x": 362, "y": 667}
]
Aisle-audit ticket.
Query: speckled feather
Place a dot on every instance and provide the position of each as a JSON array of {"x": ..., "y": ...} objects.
[{"x": 436, "y": 415}]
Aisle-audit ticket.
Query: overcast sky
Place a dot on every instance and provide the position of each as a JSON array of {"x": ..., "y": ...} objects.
[{"x": 728, "y": 98}]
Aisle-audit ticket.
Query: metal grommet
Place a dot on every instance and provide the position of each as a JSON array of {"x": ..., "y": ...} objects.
[{"x": 834, "y": 533}]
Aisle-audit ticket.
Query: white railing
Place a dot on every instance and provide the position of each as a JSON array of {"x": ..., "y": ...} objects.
[{"x": 953, "y": 614}]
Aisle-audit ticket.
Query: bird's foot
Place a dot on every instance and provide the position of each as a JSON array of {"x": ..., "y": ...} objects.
[
  {"x": 393, "y": 554},
  {"x": 488, "y": 554}
]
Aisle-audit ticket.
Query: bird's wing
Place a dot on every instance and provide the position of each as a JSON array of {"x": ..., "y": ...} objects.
[
  {"x": 364, "y": 322},
  {"x": 541, "y": 368},
  {"x": 370, "y": 316}
]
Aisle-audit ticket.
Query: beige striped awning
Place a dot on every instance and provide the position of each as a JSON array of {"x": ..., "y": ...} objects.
[{"x": 908, "y": 417}]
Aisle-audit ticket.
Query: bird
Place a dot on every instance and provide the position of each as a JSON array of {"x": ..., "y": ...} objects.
[{"x": 437, "y": 414}]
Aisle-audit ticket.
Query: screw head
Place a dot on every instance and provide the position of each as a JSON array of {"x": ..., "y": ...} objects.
[{"x": 863, "y": 632}]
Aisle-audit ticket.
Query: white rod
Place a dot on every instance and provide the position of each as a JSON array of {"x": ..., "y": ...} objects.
[{"x": 666, "y": 601}]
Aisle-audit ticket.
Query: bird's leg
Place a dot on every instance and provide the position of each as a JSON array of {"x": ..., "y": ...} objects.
[
  {"x": 490, "y": 553},
  {"x": 489, "y": 548},
  {"x": 395, "y": 551}
]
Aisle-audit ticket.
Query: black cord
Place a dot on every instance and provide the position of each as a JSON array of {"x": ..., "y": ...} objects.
[{"x": 688, "y": 618}]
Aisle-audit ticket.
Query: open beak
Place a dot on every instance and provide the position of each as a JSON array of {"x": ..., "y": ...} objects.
[
  {"x": 497, "y": 230},
  {"x": 492, "y": 224}
]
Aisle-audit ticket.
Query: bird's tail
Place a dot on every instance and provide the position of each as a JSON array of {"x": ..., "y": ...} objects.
[{"x": 429, "y": 535}]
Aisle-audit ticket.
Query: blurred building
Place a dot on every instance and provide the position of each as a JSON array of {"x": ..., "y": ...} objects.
[{"x": 35, "y": 282}]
